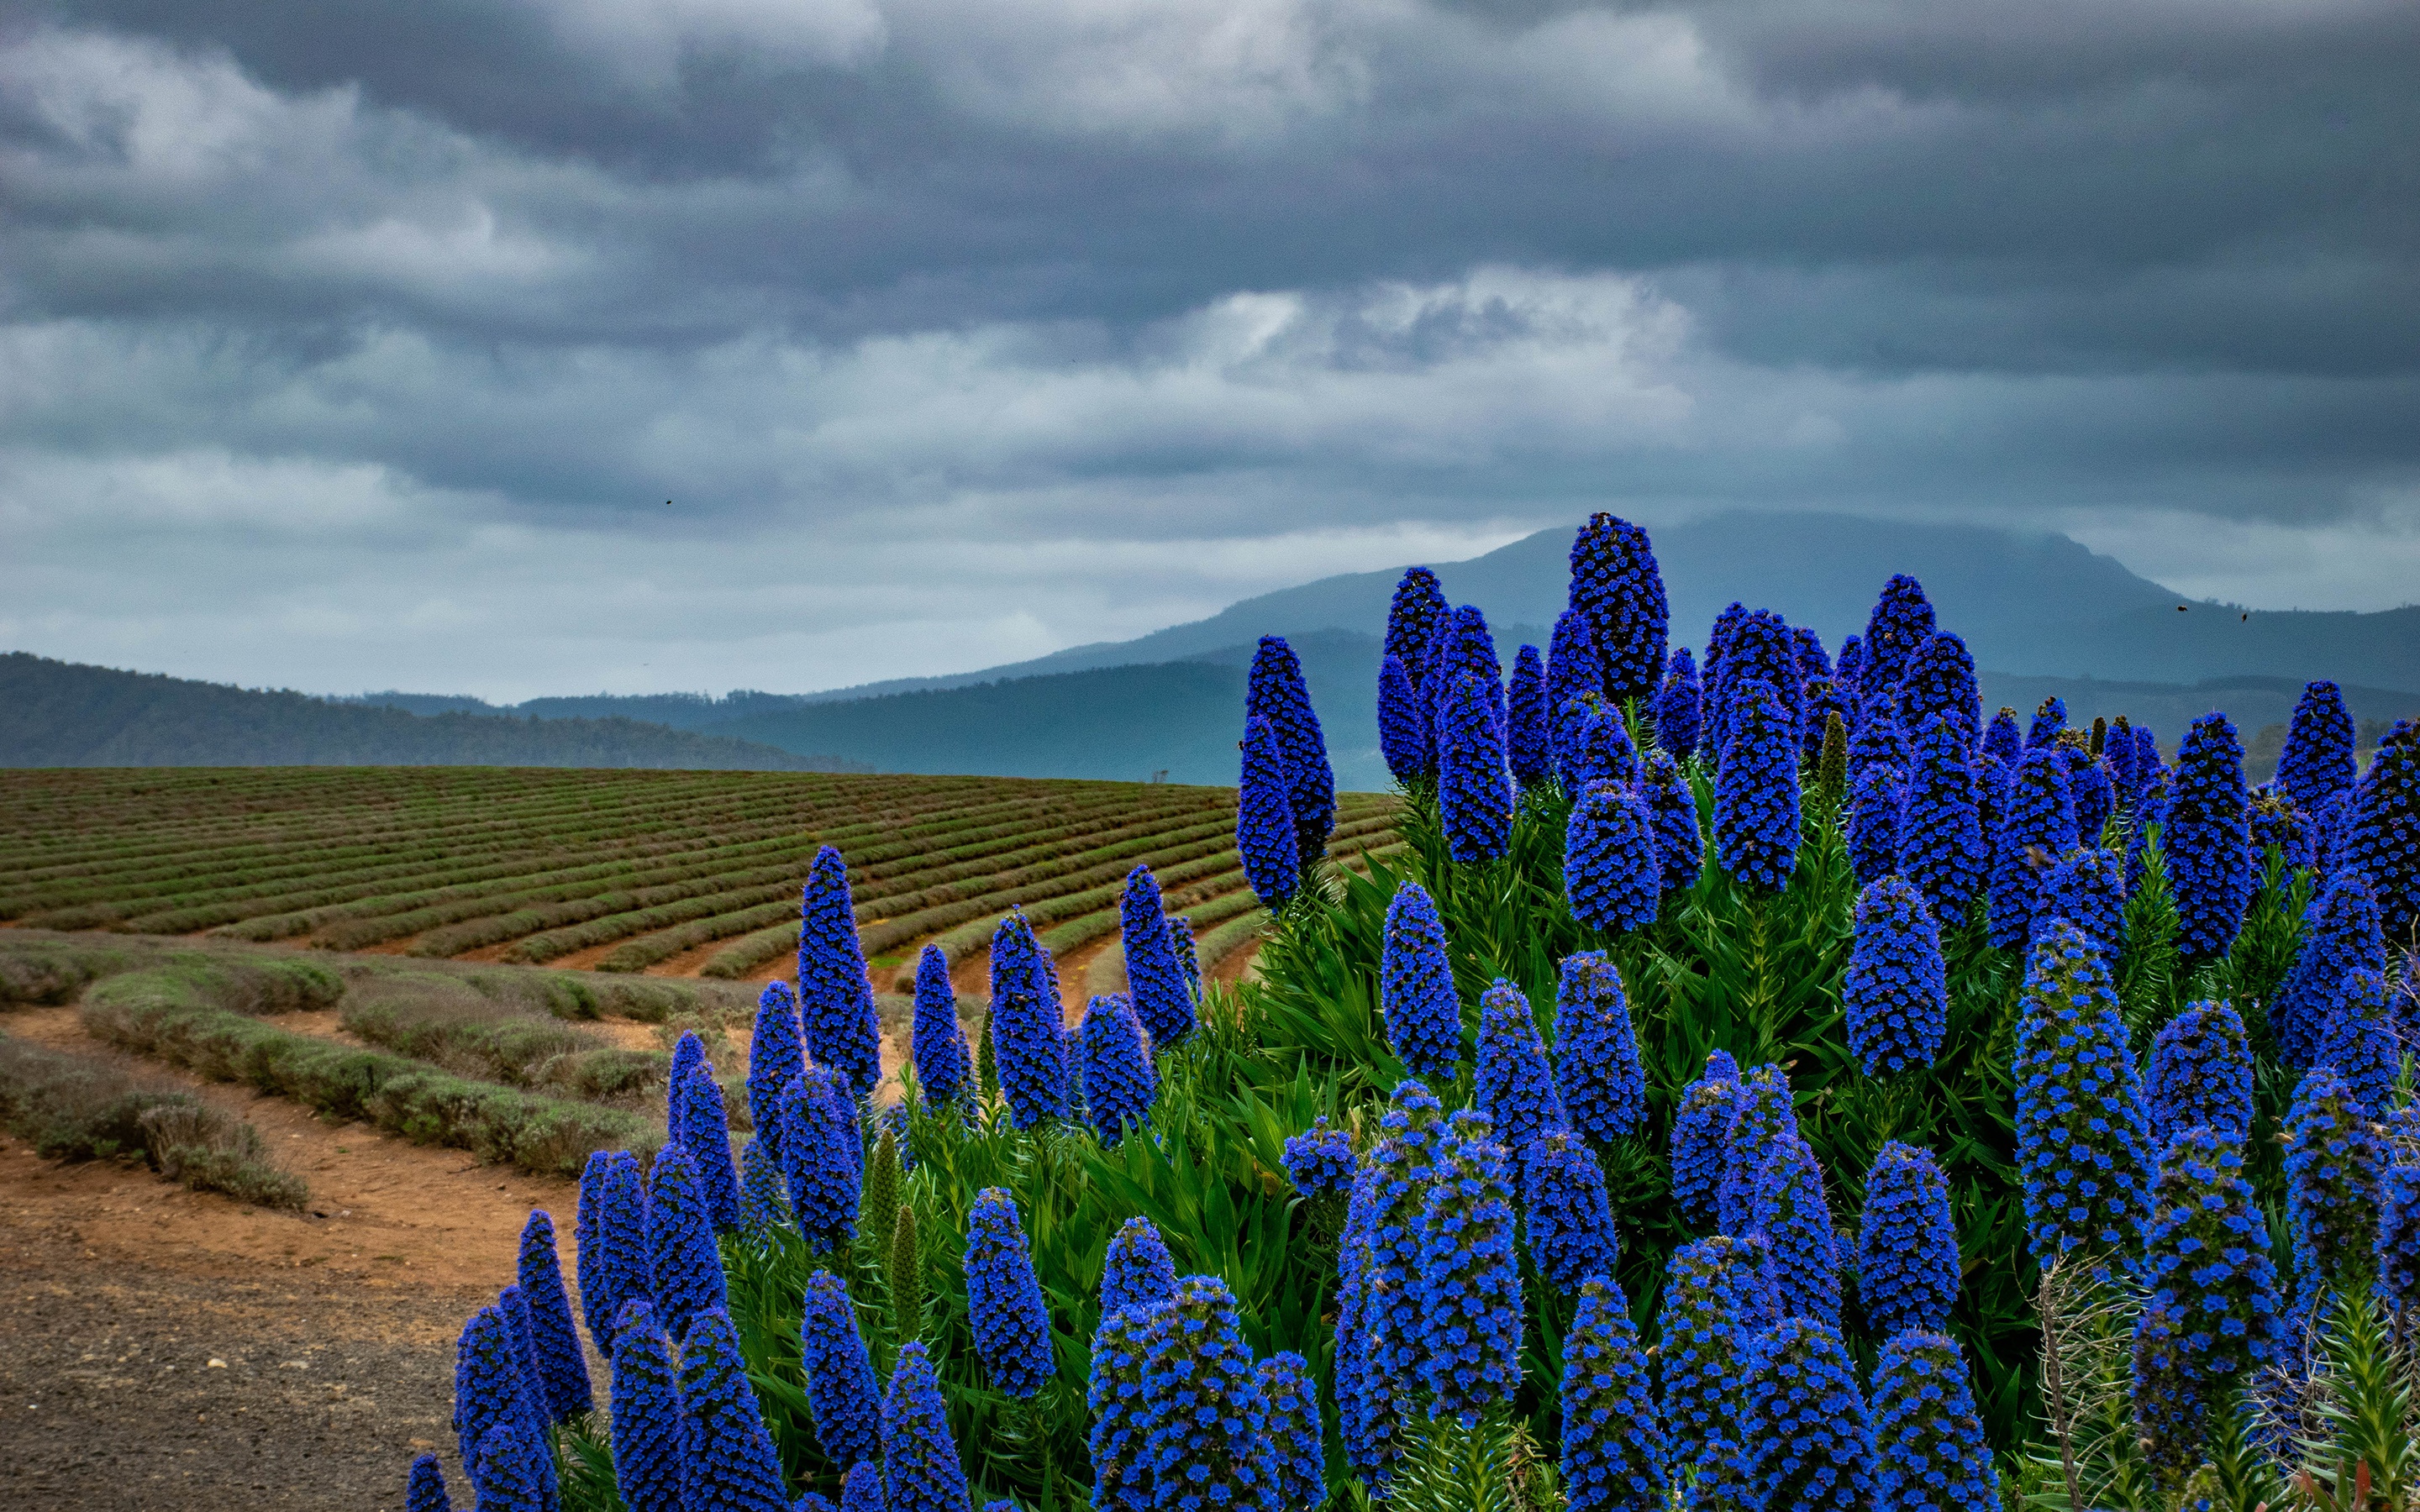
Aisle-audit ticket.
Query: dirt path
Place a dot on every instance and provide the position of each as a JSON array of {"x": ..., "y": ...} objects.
[{"x": 333, "y": 1329}]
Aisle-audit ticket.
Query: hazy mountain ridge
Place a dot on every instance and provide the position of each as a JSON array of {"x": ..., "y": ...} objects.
[{"x": 65, "y": 714}]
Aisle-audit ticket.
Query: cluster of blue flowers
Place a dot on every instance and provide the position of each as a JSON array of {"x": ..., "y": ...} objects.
[
  {"x": 1618, "y": 587},
  {"x": 1613, "y": 1450},
  {"x": 1597, "y": 1071},
  {"x": 2082, "y": 1131},
  {"x": 1895, "y": 993},
  {"x": 1470, "y": 1289},
  {"x": 1404, "y": 735},
  {"x": 1805, "y": 1444},
  {"x": 1119, "y": 1080},
  {"x": 1028, "y": 1041},
  {"x": 1290, "y": 1418},
  {"x": 2360, "y": 1042},
  {"x": 1514, "y": 1087},
  {"x": 2332, "y": 1164},
  {"x": 1939, "y": 683},
  {"x": 1574, "y": 670},
  {"x": 706, "y": 1129},
  {"x": 1790, "y": 1211},
  {"x": 920, "y": 1459},
  {"x": 2087, "y": 890},
  {"x": 1204, "y": 1443},
  {"x": 841, "y": 1389},
  {"x": 937, "y": 1042},
  {"x": 1612, "y": 875},
  {"x": 1155, "y": 975},
  {"x": 1680, "y": 706},
  {"x": 1703, "y": 1334},
  {"x": 562, "y": 1368},
  {"x": 2207, "y": 837},
  {"x": 835, "y": 995},
  {"x": 2037, "y": 826},
  {"x": 730, "y": 1462},
  {"x": 1699, "y": 1134},
  {"x": 1264, "y": 820},
  {"x": 2201, "y": 1073},
  {"x": 611, "y": 1236},
  {"x": 777, "y": 1055},
  {"x": 1274, "y": 690},
  {"x": 1319, "y": 1161},
  {"x": 1529, "y": 733},
  {"x": 1928, "y": 1450},
  {"x": 1004, "y": 1307},
  {"x": 1679, "y": 846},
  {"x": 2341, "y": 935},
  {"x": 1139, "y": 1271},
  {"x": 1756, "y": 793},
  {"x": 2210, "y": 1317},
  {"x": 821, "y": 1161},
  {"x": 1474, "y": 793},
  {"x": 1570, "y": 1218},
  {"x": 1876, "y": 795},
  {"x": 1762, "y": 1117},
  {"x": 1415, "y": 993},
  {"x": 1907, "y": 1244},
  {"x": 684, "y": 1271},
  {"x": 1902, "y": 621},
  {"x": 2316, "y": 767},
  {"x": 1941, "y": 842}
]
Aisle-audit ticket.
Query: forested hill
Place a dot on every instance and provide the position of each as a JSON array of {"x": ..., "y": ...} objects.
[{"x": 64, "y": 714}]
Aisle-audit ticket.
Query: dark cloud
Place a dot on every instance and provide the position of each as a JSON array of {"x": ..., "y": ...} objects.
[{"x": 1127, "y": 289}]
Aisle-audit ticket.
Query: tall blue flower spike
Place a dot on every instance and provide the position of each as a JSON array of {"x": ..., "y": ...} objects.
[
  {"x": 1290, "y": 1402},
  {"x": 683, "y": 1268},
  {"x": 2083, "y": 1135},
  {"x": 920, "y": 1459},
  {"x": 1416, "y": 991},
  {"x": 1612, "y": 875},
  {"x": 1205, "y": 1442},
  {"x": 2200, "y": 1073},
  {"x": 1614, "y": 1458},
  {"x": 2210, "y": 1319},
  {"x": 1514, "y": 1088},
  {"x": 1274, "y": 690},
  {"x": 2087, "y": 887},
  {"x": 2360, "y": 1042},
  {"x": 936, "y": 1041},
  {"x": 1805, "y": 1444},
  {"x": 1680, "y": 708},
  {"x": 835, "y": 995},
  {"x": 1617, "y": 584},
  {"x": 1679, "y": 845},
  {"x": 1163, "y": 999},
  {"x": 1939, "y": 683},
  {"x": 1570, "y": 1218},
  {"x": 1597, "y": 1071},
  {"x": 2332, "y": 1161},
  {"x": 1704, "y": 1336},
  {"x": 1876, "y": 795},
  {"x": 1941, "y": 842},
  {"x": 1474, "y": 792},
  {"x": 2049, "y": 723},
  {"x": 1907, "y": 1244},
  {"x": 2037, "y": 826},
  {"x": 1530, "y": 731},
  {"x": 1027, "y": 1040},
  {"x": 1470, "y": 1289},
  {"x": 2341, "y": 935},
  {"x": 1012, "y": 1327},
  {"x": 1119, "y": 1082},
  {"x": 2316, "y": 763},
  {"x": 1756, "y": 794},
  {"x": 1138, "y": 1273},
  {"x": 1573, "y": 668},
  {"x": 777, "y": 1055},
  {"x": 1699, "y": 1129},
  {"x": 1796, "y": 1220},
  {"x": 1404, "y": 735},
  {"x": 1928, "y": 1450},
  {"x": 1414, "y": 617},
  {"x": 820, "y": 1162},
  {"x": 706, "y": 1131},
  {"x": 1121, "y": 1413},
  {"x": 1264, "y": 821},
  {"x": 424, "y": 1488},
  {"x": 2207, "y": 839},
  {"x": 1902, "y": 621},
  {"x": 563, "y": 1369},
  {"x": 841, "y": 1390},
  {"x": 1763, "y": 1117}
]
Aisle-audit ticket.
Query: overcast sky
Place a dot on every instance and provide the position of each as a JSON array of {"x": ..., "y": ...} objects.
[{"x": 363, "y": 346}]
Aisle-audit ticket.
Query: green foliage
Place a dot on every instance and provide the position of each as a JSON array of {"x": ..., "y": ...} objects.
[
  {"x": 2364, "y": 1452},
  {"x": 1491, "y": 1465},
  {"x": 2145, "y": 976}
]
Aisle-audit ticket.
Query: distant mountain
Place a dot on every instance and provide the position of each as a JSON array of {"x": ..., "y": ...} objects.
[
  {"x": 2025, "y": 603},
  {"x": 62, "y": 714}
]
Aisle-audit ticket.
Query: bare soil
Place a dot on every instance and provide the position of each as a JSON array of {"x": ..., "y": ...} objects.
[{"x": 171, "y": 1348}]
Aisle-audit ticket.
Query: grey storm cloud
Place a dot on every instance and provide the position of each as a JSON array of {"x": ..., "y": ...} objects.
[{"x": 340, "y": 347}]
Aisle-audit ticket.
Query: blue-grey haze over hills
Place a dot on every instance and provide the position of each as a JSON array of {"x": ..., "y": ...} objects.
[{"x": 2043, "y": 616}]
